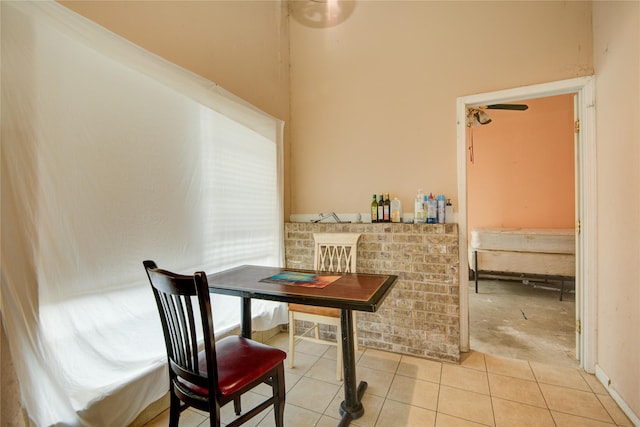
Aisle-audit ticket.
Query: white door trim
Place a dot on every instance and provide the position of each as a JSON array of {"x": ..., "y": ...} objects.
[{"x": 586, "y": 239}]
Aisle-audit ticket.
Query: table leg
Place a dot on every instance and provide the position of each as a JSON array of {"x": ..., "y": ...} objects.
[
  {"x": 351, "y": 408},
  {"x": 245, "y": 313},
  {"x": 475, "y": 275}
]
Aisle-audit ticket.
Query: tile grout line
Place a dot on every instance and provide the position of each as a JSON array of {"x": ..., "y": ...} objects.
[
  {"x": 486, "y": 372},
  {"x": 439, "y": 391},
  {"x": 544, "y": 398}
]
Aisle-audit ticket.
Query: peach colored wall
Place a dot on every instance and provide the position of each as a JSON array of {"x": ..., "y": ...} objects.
[
  {"x": 373, "y": 99},
  {"x": 523, "y": 169},
  {"x": 617, "y": 62},
  {"x": 241, "y": 45}
]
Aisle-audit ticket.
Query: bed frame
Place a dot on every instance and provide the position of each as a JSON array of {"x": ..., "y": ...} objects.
[{"x": 547, "y": 254}]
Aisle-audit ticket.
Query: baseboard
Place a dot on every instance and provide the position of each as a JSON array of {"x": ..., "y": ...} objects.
[
  {"x": 606, "y": 382},
  {"x": 264, "y": 336}
]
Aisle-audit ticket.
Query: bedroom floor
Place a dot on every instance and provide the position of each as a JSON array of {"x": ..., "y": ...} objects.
[{"x": 523, "y": 321}]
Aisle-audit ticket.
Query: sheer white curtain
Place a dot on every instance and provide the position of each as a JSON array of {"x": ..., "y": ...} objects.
[{"x": 111, "y": 155}]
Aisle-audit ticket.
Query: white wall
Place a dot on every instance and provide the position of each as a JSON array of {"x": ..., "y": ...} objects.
[{"x": 616, "y": 60}]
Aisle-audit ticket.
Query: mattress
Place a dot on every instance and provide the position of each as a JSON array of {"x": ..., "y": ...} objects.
[
  {"x": 556, "y": 241},
  {"x": 530, "y": 251}
]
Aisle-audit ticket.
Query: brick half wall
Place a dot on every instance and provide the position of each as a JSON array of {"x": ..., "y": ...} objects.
[{"x": 421, "y": 315}]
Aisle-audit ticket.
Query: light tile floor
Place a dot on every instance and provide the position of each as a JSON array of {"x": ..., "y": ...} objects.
[{"x": 483, "y": 390}]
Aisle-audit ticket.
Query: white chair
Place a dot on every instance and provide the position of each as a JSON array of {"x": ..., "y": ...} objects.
[{"x": 336, "y": 253}]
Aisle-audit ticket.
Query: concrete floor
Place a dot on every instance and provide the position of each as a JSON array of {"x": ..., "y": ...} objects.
[{"x": 523, "y": 321}]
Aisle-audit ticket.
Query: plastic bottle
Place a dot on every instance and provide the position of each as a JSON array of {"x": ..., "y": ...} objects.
[
  {"x": 441, "y": 205},
  {"x": 418, "y": 208},
  {"x": 396, "y": 210},
  {"x": 432, "y": 209},
  {"x": 448, "y": 209}
]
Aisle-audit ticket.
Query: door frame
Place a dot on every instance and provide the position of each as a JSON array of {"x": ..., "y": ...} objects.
[{"x": 586, "y": 197}]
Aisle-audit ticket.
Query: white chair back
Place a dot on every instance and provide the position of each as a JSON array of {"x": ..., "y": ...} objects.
[{"x": 336, "y": 252}]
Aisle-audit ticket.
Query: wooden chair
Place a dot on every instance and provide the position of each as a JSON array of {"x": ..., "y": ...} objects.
[
  {"x": 334, "y": 252},
  {"x": 203, "y": 373}
]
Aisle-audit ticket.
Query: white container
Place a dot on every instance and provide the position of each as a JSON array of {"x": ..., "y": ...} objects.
[
  {"x": 448, "y": 212},
  {"x": 441, "y": 209},
  {"x": 419, "y": 216},
  {"x": 396, "y": 210}
]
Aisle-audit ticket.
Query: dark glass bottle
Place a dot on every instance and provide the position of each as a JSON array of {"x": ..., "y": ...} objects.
[
  {"x": 386, "y": 208},
  {"x": 374, "y": 210},
  {"x": 381, "y": 209}
]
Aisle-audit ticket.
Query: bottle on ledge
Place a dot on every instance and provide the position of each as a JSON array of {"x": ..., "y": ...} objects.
[
  {"x": 387, "y": 208},
  {"x": 419, "y": 216},
  {"x": 432, "y": 209},
  {"x": 396, "y": 210},
  {"x": 374, "y": 210},
  {"x": 381, "y": 209}
]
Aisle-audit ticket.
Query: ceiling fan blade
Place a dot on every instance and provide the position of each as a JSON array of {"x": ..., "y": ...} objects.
[{"x": 517, "y": 107}]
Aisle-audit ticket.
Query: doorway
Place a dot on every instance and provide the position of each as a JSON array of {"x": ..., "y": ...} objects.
[
  {"x": 585, "y": 201},
  {"x": 521, "y": 214}
]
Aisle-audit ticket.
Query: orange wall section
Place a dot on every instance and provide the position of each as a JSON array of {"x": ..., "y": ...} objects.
[{"x": 522, "y": 174}]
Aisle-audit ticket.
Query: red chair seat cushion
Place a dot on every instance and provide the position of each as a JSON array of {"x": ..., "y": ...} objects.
[{"x": 240, "y": 362}]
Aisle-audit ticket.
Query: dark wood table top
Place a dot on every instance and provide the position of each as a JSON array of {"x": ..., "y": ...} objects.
[{"x": 354, "y": 291}]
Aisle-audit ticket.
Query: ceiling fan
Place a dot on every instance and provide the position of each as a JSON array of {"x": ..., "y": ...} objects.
[{"x": 477, "y": 115}]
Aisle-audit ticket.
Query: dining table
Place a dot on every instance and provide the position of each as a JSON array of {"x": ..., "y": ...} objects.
[{"x": 345, "y": 291}]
